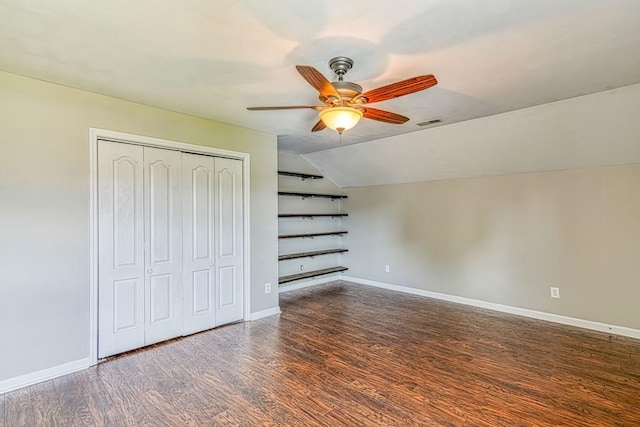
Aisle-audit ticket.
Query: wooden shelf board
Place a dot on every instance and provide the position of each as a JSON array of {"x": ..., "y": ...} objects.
[
  {"x": 309, "y": 274},
  {"x": 311, "y": 195},
  {"x": 300, "y": 236},
  {"x": 300, "y": 175},
  {"x": 311, "y": 215},
  {"x": 285, "y": 257}
]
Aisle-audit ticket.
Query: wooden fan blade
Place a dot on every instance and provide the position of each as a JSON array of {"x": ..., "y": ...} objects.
[
  {"x": 318, "y": 81},
  {"x": 286, "y": 107},
  {"x": 401, "y": 88},
  {"x": 318, "y": 126},
  {"x": 384, "y": 116}
]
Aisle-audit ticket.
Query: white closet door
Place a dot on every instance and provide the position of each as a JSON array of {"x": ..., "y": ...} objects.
[
  {"x": 170, "y": 245},
  {"x": 121, "y": 248},
  {"x": 163, "y": 244},
  {"x": 229, "y": 241},
  {"x": 198, "y": 240}
]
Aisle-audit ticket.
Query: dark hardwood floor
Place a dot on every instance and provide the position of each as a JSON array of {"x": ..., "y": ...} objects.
[{"x": 345, "y": 354}]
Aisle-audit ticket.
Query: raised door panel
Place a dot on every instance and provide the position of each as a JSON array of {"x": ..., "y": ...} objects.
[
  {"x": 229, "y": 244},
  {"x": 201, "y": 214},
  {"x": 227, "y": 209},
  {"x": 125, "y": 304},
  {"x": 199, "y": 233},
  {"x": 202, "y": 288},
  {"x": 120, "y": 248},
  {"x": 227, "y": 292},
  {"x": 162, "y": 300},
  {"x": 160, "y": 195},
  {"x": 163, "y": 250}
]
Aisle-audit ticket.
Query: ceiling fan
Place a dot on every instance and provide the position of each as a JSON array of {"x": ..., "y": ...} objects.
[{"x": 344, "y": 104}]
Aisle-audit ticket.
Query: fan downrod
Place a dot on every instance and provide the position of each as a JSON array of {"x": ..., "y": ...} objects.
[{"x": 340, "y": 65}]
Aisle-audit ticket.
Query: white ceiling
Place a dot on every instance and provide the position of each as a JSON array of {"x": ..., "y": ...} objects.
[
  {"x": 214, "y": 58},
  {"x": 599, "y": 129}
]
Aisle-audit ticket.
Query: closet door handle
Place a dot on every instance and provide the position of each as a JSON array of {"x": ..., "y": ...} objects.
[
  {"x": 211, "y": 264},
  {"x": 149, "y": 270}
]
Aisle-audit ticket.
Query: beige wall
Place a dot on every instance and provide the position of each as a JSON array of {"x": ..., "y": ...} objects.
[
  {"x": 44, "y": 211},
  {"x": 507, "y": 239}
]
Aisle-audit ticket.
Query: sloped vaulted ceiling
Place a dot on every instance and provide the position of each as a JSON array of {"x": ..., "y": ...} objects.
[{"x": 592, "y": 130}]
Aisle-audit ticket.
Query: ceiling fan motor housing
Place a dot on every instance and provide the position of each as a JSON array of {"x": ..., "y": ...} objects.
[{"x": 347, "y": 90}]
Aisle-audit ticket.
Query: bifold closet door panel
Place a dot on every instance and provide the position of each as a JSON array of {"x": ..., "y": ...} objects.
[
  {"x": 163, "y": 244},
  {"x": 198, "y": 242},
  {"x": 229, "y": 241},
  {"x": 120, "y": 248},
  {"x": 170, "y": 244}
]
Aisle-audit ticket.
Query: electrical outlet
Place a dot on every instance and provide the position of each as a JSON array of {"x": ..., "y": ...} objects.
[
  {"x": 386, "y": 268},
  {"x": 267, "y": 288},
  {"x": 555, "y": 292}
]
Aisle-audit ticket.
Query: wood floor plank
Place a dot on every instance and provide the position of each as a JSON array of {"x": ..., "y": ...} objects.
[
  {"x": 46, "y": 405},
  {"x": 74, "y": 405},
  {"x": 2, "y": 406},
  {"x": 350, "y": 355},
  {"x": 18, "y": 409},
  {"x": 199, "y": 404},
  {"x": 98, "y": 399}
]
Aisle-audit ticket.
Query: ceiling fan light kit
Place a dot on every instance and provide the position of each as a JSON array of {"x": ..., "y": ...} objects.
[
  {"x": 341, "y": 118},
  {"x": 344, "y": 104}
]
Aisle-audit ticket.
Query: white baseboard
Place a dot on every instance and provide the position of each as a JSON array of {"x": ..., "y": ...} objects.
[
  {"x": 264, "y": 313},
  {"x": 308, "y": 283},
  {"x": 44, "y": 375},
  {"x": 572, "y": 321}
]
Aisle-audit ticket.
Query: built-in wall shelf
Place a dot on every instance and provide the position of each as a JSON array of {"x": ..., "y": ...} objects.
[
  {"x": 302, "y": 176},
  {"x": 312, "y": 195},
  {"x": 311, "y": 254},
  {"x": 316, "y": 215},
  {"x": 297, "y": 203},
  {"x": 311, "y": 235},
  {"x": 310, "y": 274}
]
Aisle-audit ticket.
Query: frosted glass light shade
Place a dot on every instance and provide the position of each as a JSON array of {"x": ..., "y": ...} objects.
[{"x": 340, "y": 118}]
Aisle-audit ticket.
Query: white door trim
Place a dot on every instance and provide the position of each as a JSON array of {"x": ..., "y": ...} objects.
[{"x": 94, "y": 135}]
